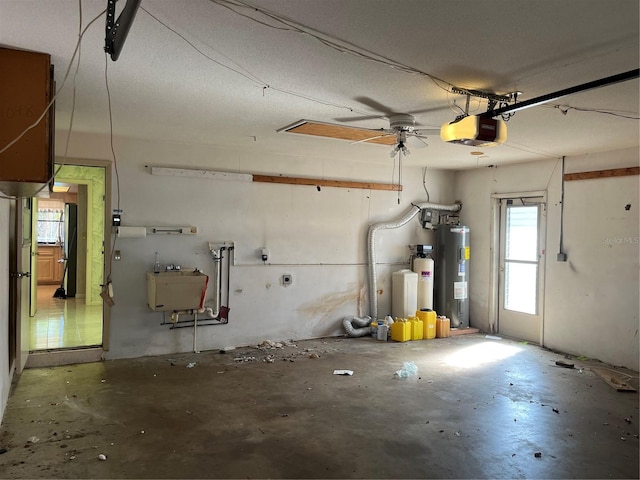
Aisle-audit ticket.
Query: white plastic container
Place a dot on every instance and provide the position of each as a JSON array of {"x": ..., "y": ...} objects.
[
  {"x": 424, "y": 268},
  {"x": 404, "y": 293}
]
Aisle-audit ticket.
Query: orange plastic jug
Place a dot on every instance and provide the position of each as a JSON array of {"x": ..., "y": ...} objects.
[{"x": 443, "y": 327}]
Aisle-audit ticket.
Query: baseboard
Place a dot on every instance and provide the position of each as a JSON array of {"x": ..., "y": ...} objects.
[{"x": 54, "y": 358}]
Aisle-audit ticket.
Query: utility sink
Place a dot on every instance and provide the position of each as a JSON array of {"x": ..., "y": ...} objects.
[{"x": 176, "y": 290}]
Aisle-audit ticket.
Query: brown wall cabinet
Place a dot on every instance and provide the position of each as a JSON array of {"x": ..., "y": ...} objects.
[{"x": 26, "y": 89}]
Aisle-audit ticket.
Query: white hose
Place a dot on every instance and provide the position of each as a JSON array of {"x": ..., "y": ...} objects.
[
  {"x": 362, "y": 322},
  {"x": 371, "y": 243}
]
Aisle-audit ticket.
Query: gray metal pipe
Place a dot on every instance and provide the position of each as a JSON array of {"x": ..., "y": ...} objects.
[{"x": 399, "y": 222}]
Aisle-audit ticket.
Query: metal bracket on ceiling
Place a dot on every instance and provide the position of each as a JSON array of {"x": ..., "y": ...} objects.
[
  {"x": 492, "y": 98},
  {"x": 116, "y": 31}
]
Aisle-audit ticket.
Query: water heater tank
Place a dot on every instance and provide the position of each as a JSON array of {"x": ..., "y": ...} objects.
[
  {"x": 451, "y": 287},
  {"x": 424, "y": 268}
]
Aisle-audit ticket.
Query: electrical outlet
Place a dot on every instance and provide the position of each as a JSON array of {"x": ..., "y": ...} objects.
[
  {"x": 562, "y": 257},
  {"x": 287, "y": 279}
]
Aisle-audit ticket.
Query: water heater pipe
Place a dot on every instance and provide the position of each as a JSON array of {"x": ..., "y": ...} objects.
[{"x": 371, "y": 243}]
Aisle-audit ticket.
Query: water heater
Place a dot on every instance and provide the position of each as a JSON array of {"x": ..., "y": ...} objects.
[{"x": 451, "y": 286}]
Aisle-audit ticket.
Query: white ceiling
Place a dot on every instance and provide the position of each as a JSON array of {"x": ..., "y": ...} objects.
[{"x": 249, "y": 80}]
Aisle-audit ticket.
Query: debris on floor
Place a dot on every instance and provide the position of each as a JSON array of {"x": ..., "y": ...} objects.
[
  {"x": 269, "y": 345},
  {"x": 563, "y": 364},
  {"x": 343, "y": 372},
  {"x": 615, "y": 381},
  {"x": 191, "y": 364},
  {"x": 537, "y": 454},
  {"x": 408, "y": 369},
  {"x": 245, "y": 358},
  {"x": 33, "y": 439},
  {"x": 314, "y": 355},
  {"x": 102, "y": 457}
]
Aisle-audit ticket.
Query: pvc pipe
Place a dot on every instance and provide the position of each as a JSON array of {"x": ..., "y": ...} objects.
[
  {"x": 195, "y": 333},
  {"x": 399, "y": 222}
]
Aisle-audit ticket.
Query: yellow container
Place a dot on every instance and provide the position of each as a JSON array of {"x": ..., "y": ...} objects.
[
  {"x": 428, "y": 318},
  {"x": 400, "y": 330},
  {"x": 417, "y": 328}
]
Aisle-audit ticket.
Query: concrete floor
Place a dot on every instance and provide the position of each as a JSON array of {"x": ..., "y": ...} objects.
[{"x": 478, "y": 408}]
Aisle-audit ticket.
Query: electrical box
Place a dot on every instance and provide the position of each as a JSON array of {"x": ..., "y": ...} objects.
[{"x": 426, "y": 218}]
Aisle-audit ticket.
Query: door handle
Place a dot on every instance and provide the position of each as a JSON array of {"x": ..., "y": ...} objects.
[{"x": 20, "y": 274}]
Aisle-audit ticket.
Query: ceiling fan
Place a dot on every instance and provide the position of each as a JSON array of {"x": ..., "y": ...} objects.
[{"x": 402, "y": 129}]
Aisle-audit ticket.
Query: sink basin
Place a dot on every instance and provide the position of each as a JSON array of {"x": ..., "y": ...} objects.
[{"x": 176, "y": 290}]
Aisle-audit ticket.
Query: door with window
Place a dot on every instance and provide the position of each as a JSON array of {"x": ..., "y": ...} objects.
[{"x": 521, "y": 268}]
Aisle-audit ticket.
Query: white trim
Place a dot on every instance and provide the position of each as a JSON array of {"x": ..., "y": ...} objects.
[{"x": 494, "y": 252}]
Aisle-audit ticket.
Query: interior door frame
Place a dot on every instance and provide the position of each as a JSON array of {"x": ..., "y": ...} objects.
[
  {"x": 33, "y": 288},
  {"x": 494, "y": 265},
  {"x": 22, "y": 284},
  {"x": 107, "y": 165}
]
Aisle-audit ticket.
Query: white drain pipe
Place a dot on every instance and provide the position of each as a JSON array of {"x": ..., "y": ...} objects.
[{"x": 371, "y": 243}]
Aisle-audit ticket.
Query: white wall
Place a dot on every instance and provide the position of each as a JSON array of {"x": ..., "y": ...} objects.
[
  {"x": 5, "y": 377},
  {"x": 319, "y": 237},
  {"x": 591, "y": 301}
]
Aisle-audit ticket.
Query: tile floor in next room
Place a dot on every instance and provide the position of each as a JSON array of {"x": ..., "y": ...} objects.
[{"x": 64, "y": 323}]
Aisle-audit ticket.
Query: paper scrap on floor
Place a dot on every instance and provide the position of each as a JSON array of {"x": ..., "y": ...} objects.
[{"x": 343, "y": 372}]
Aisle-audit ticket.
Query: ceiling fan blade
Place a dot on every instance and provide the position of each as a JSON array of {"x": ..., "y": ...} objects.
[
  {"x": 377, "y": 106},
  {"x": 342, "y": 132},
  {"x": 427, "y": 132},
  {"x": 416, "y": 141},
  {"x": 377, "y": 137},
  {"x": 429, "y": 110},
  {"x": 358, "y": 119}
]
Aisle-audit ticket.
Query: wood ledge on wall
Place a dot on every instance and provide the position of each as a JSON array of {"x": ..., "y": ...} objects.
[
  {"x": 248, "y": 177},
  {"x": 614, "y": 172}
]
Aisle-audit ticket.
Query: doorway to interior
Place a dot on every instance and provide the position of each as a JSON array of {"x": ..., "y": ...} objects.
[
  {"x": 518, "y": 264},
  {"x": 67, "y": 311}
]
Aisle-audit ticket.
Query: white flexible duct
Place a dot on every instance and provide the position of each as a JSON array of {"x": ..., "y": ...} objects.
[
  {"x": 371, "y": 243},
  {"x": 362, "y": 322}
]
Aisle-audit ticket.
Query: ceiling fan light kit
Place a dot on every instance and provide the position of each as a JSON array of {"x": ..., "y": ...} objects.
[{"x": 475, "y": 131}]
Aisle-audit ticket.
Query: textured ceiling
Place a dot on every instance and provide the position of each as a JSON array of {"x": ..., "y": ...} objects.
[{"x": 219, "y": 73}]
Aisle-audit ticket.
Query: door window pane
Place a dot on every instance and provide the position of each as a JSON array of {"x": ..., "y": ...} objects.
[
  {"x": 521, "y": 233},
  {"x": 520, "y": 287}
]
